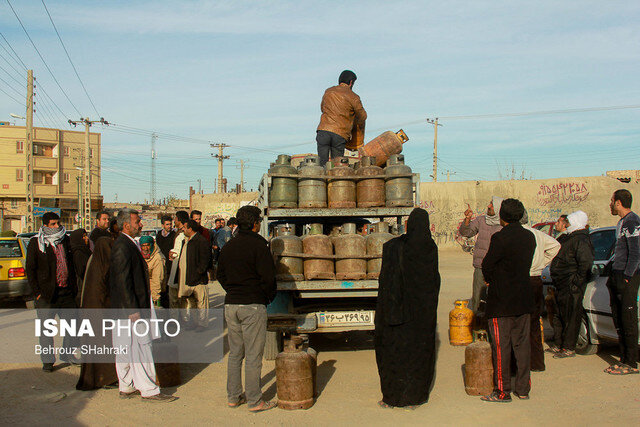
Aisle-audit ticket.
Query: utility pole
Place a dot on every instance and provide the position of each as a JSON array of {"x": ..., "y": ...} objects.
[
  {"x": 153, "y": 168},
  {"x": 199, "y": 186},
  {"x": 241, "y": 175},
  {"x": 221, "y": 157},
  {"x": 86, "y": 211},
  {"x": 435, "y": 147},
  {"x": 28, "y": 149}
]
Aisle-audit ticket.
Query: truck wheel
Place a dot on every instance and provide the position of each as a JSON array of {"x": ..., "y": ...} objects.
[
  {"x": 584, "y": 345},
  {"x": 273, "y": 345}
]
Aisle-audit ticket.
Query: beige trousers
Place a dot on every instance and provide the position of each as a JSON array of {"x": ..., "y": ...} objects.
[{"x": 197, "y": 305}]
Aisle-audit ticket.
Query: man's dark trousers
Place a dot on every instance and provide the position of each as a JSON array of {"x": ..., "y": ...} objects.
[
  {"x": 569, "y": 297},
  {"x": 63, "y": 304},
  {"x": 507, "y": 334},
  {"x": 624, "y": 309},
  {"x": 329, "y": 141},
  {"x": 537, "y": 351}
]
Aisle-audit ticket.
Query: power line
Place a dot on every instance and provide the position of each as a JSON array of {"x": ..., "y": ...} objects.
[
  {"x": 14, "y": 52},
  {"x": 10, "y": 96},
  {"x": 69, "y": 57},
  {"x": 42, "y": 58}
]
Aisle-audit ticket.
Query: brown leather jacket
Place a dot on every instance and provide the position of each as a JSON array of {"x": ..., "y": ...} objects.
[{"x": 341, "y": 107}]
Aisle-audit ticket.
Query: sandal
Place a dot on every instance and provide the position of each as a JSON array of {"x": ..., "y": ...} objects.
[
  {"x": 562, "y": 354},
  {"x": 623, "y": 370},
  {"x": 241, "y": 400},
  {"x": 263, "y": 406},
  {"x": 611, "y": 368},
  {"x": 384, "y": 405},
  {"x": 553, "y": 349}
]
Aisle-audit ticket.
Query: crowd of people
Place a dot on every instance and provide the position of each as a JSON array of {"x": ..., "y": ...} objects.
[{"x": 111, "y": 268}]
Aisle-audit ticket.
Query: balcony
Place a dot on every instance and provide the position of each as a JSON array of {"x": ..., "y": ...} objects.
[
  {"x": 45, "y": 190},
  {"x": 45, "y": 163}
]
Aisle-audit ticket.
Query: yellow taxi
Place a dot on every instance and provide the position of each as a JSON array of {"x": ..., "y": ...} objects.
[{"x": 13, "y": 276}]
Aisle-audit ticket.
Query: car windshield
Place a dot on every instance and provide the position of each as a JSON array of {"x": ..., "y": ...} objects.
[
  {"x": 603, "y": 244},
  {"x": 10, "y": 249}
]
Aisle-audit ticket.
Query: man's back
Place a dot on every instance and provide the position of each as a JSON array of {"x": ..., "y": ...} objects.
[
  {"x": 340, "y": 108},
  {"x": 128, "y": 277}
]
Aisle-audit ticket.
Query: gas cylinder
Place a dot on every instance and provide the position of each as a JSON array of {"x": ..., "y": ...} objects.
[
  {"x": 398, "y": 186},
  {"x": 460, "y": 321},
  {"x": 341, "y": 193},
  {"x": 478, "y": 367},
  {"x": 370, "y": 192},
  {"x": 316, "y": 243},
  {"x": 375, "y": 241},
  {"x": 287, "y": 268},
  {"x": 349, "y": 243},
  {"x": 283, "y": 192},
  {"x": 312, "y": 191},
  {"x": 384, "y": 146},
  {"x": 336, "y": 230},
  {"x": 314, "y": 361},
  {"x": 294, "y": 376}
]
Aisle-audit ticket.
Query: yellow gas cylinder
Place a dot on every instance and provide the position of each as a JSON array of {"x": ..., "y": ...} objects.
[{"x": 460, "y": 322}]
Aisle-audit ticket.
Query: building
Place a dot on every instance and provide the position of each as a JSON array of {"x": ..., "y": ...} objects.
[
  {"x": 57, "y": 174},
  {"x": 625, "y": 175}
]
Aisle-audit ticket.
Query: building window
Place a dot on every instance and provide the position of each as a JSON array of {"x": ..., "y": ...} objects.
[
  {"x": 19, "y": 175},
  {"x": 19, "y": 146},
  {"x": 67, "y": 151},
  {"x": 65, "y": 177},
  {"x": 14, "y": 203},
  {"x": 91, "y": 153}
]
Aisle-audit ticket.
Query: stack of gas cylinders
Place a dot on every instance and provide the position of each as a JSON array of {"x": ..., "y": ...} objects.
[
  {"x": 341, "y": 185},
  {"x": 342, "y": 255}
]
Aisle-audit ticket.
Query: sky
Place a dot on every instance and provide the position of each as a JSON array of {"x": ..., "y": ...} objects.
[{"x": 252, "y": 74}]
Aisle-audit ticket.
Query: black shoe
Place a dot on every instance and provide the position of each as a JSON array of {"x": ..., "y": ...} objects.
[
  {"x": 497, "y": 396},
  {"x": 47, "y": 367},
  {"x": 521, "y": 396},
  {"x": 537, "y": 370}
]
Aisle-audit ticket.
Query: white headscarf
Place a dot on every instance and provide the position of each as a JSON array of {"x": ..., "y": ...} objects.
[
  {"x": 577, "y": 221},
  {"x": 50, "y": 236},
  {"x": 495, "y": 218}
]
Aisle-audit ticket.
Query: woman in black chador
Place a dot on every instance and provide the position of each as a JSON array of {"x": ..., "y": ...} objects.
[{"x": 406, "y": 315}]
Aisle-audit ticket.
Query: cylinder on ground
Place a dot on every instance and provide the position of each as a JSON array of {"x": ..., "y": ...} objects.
[
  {"x": 478, "y": 367},
  {"x": 370, "y": 191},
  {"x": 283, "y": 192},
  {"x": 398, "y": 186},
  {"x": 294, "y": 376},
  {"x": 375, "y": 241},
  {"x": 312, "y": 189},
  {"x": 350, "y": 244},
  {"x": 384, "y": 145},
  {"x": 341, "y": 193},
  {"x": 316, "y": 243},
  {"x": 287, "y": 268}
]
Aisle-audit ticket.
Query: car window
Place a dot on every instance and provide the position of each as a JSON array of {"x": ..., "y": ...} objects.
[
  {"x": 10, "y": 249},
  {"x": 603, "y": 244}
]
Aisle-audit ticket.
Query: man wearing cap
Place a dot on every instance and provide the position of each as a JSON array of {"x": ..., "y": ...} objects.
[
  {"x": 570, "y": 272},
  {"x": 342, "y": 110}
]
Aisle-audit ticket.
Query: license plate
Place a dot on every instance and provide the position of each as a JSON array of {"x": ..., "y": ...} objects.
[{"x": 342, "y": 318}]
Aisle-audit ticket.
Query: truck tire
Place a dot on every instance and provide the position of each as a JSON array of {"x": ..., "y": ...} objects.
[
  {"x": 273, "y": 345},
  {"x": 584, "y": 345}
]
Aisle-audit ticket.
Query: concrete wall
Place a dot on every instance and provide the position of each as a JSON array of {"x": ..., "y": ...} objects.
[
  {"x": 221, "y": 205},
  {"x": 545, "y": 200}
]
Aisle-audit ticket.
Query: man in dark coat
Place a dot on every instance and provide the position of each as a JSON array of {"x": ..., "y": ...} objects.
[
  {"x": 570, "y": 272},
  {"x": 247, "y": 273},
  {"x": 510, "y": 302},
  {"x": 165, "y": 239},
  {"x": 52, "y": 279},
  {"x": 102, "y": 226},
  {"x": 129, "y": 288},
  {"x": 406, "y": 315}
]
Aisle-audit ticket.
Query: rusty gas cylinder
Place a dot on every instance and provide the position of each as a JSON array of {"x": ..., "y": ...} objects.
[
  {"x": 283, "y": 192},
  {"x": 478, "y": 366},
  {"x": 349, "y": 243},
  {"x": 341, "y": 193},
  {"x": 370, "y": 191},
  {"x": 314, "y": 361},
  {"x": 375, "y": 241},
  {"x": 460, "y": 322},
  {"x": 312, "y": 188},
  {"x": 384, "y": 146},
  {"x": 287, "y": 268},
  {"x": 398, "y": 182},
  {"x": 316, "y": 243},
  {"x": 294, "y": 376}
]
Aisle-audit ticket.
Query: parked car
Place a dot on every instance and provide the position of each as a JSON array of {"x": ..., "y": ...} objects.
[{"x": 13, "y": 277}]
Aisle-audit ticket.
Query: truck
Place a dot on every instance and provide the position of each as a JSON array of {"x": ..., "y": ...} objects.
[{"x": 322, "y": 306}]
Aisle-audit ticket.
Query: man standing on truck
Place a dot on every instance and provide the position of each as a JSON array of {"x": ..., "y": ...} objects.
[
  {"x": 484, "y": 226},
  {"x": 341, "y": 111},
  {"x": 624, "y": 282}
]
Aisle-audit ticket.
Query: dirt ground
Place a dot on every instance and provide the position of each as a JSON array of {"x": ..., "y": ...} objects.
[{"x": 571, "y": 391}]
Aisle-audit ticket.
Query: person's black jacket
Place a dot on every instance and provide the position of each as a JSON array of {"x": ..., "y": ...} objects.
[
  {"x": 97, "y": 233},
  {"x": 165, "y": 243},
  {"x": 198, "y": 260},
  {"x": 506, "y": 269},
  {"x": 128, "y": 276},
  {"x": 572, "y": 265},
  {"x": 246, "y": 270},
  {"x": 41, "y": 270}
]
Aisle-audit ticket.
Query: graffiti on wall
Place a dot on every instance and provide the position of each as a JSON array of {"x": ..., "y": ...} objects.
[{"x": 563, "y": 193}]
